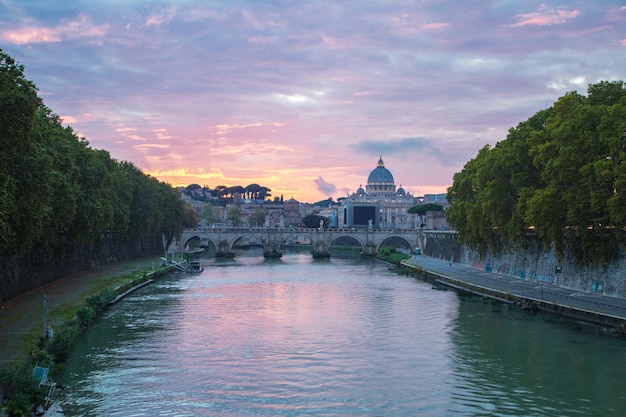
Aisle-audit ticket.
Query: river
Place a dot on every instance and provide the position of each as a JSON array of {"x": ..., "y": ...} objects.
[{"x": 339, "y": 337}]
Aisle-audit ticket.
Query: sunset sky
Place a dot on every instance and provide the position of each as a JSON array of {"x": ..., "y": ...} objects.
[{"x": 304, "y": 96}]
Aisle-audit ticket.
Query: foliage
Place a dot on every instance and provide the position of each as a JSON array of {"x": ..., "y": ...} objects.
[
  {"x": 421, "y": 209},
  {"x": 23, "y": 388},
  {"x": 222, "y": 192},
  {"x": 312, "y": 221},
  {"x": 210, "y": 213},
  {"x": 326, "y": 203},
  {"x": 234, "y": 215},
  {"x": 257, "y": 218},
  {"x": 559, "y": 174},
  {"x": 392, "y": 255},
  {"x": 190, "y": 219},
  {"x": 57, "y": 192}
]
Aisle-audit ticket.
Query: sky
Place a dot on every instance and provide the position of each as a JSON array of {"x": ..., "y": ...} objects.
[{"x": 303, "y": 97}]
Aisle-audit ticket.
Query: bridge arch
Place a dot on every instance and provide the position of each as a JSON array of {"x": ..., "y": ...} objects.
[
  {"x": 273, "y": 239},
  {"x": 196, "y": 240},
  {"x": 395, "y": 237},
  {"x": 346, "y": 236}
]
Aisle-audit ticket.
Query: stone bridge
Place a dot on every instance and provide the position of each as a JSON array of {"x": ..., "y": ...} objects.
[{"x": 225, "y": 239}]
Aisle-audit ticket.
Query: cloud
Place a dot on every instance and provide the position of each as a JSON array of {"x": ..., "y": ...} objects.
[
  {"x": 280, "y": 93},
  {"x": 326, "y": 188},
  {"x": 30, "y": 33},
  {"x": 404, "y": 146},
  {"x": 546, "y": 16}
]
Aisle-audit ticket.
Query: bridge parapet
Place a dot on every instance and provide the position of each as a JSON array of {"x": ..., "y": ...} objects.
[{"x": 272, "y": 239}]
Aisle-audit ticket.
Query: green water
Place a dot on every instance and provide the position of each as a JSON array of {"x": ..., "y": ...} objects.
[{"x": 339, "y": 337}]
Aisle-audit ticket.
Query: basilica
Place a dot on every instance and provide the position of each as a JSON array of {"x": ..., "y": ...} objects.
[{"x": 380, "y": 205}]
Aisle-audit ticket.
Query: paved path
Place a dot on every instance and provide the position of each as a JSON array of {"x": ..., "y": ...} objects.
[
  {"x": 21, "y": 318},
  {"x": 531, "y": 290}
]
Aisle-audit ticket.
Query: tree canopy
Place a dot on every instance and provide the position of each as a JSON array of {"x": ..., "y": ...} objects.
[
  {"x": 57, "y": 191},
  {"x": 210, "y": 213},
  {"x": 257, "y": 219},
  {"x": 421, "y": 209},
  {"x": 312, "y": 221},
  {"x": 225, "y": 194},
  {"x": 560, "y": 174}
]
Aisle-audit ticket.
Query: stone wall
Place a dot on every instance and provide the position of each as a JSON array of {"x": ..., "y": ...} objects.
[
  {"x": 534, "y": 263},
  {"x": 25, "y": 272}
]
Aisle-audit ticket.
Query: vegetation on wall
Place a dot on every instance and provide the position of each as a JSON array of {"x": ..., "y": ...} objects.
[
  {"x": 57, "y": 191},
  {"x": 560, "y": 175},
  {"x": 391, "y": 255}
]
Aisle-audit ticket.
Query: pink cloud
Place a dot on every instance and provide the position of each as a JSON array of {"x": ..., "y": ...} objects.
[
  {"x": 439, "y": 25},
  {"x": 81, "y": 27},
  {"x": 31, "y": 35},
  {"x": 546, "y": 16},
  {"x": 615, "y": 15}
]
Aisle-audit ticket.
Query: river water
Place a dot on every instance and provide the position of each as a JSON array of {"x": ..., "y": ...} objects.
[{"x": 338, "y": 337}]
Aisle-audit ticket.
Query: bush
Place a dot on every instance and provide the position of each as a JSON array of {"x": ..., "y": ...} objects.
[
  {"x": 23, "y": 388},
  {"x": 62, "y": 342}
]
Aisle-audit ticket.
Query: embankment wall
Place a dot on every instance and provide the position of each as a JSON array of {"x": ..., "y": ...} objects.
[
  {"x": 533, "y": 262},
  {"x": 22, "y": 273}
]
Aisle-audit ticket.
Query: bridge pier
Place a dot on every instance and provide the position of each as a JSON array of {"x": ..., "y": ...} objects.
[
  {"x": 321, "y": 250},
  {"x": 271, "y": 244},
  {"x": 370, "y": 249},
  {"x": 222, "y": 250},
  {"x": 271, "y": 252}
]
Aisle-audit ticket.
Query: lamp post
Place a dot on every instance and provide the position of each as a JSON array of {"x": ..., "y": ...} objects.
[{"x": 45, "y": 314}]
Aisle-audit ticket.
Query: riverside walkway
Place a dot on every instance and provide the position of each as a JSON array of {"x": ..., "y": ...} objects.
[{"x": 598, "y": 309}]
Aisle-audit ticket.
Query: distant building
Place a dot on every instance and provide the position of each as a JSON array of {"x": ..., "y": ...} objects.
[
  {"x": 380, "y": 204},
  {"x": 291, "y": 212},
  {"x": 441, "y": 199}
]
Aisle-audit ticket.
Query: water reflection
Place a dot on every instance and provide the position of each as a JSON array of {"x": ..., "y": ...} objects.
[
  {"x": 341, "y": 337},
  {"x": 511, "y": 363}
]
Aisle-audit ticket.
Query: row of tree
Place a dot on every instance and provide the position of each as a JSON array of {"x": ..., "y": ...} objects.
[
  {"x": 561, "y": 175},
  {"x": 55, "y": 190},
  {"x": 251, "y": 191}
]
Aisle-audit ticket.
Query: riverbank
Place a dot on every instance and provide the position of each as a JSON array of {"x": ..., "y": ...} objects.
[
  {"x": 607, "y": 312},
  {"x": 21, "y": 318}
]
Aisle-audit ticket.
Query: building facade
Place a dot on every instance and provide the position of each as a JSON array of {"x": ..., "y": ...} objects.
[{"x": 380, "y": 197}]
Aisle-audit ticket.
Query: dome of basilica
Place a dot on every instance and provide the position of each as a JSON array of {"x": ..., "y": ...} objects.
[{"x": 380, "y": 175}]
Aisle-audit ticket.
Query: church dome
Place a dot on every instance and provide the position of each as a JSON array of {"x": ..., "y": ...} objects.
[
  {"x": 380, "y": 174},
  {"x": 360, "y": 191},
  {"x": 380, "y": 179},
  {"x": 401, "y": 191}
]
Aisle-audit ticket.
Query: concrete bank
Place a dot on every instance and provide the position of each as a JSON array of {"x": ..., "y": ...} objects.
[{"x": 601, "y": 310}]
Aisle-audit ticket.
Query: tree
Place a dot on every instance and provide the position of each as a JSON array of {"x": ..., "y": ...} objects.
[
  {"x": 312, "y": 221},
  {"x": 56, "y": 192},
  {"x": 560, "y": 174},
  {"x": 210, "y": 213},
  {"x": 257, "y": 219},
  {"x": 234, "y": 216},
  {"x": 421, "y": 209},
  {"x": 191, "y": 217}
]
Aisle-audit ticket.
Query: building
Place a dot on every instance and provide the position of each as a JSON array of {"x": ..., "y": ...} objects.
[{"x": 379, "y": 196}]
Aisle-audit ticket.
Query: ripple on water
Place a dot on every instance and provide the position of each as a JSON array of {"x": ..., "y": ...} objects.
[{"x": 296, "y": 337}]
